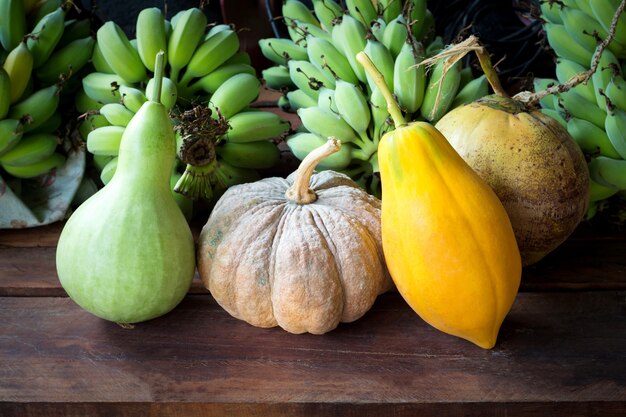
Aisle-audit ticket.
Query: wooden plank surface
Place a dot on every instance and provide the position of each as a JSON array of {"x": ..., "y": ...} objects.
[
  {"x": 553, "y": 347},
  {"x": 585, "y": 261}
]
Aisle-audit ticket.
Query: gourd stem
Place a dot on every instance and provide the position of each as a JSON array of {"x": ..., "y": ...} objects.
[
  {"x": 490, "y": 72},
  {"x": 158, "y": 77},
  {"x": 299, "y": 192},
  {"x": 379, "y": 80}
]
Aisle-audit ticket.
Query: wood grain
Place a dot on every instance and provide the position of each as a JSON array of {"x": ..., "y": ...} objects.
[
  {"x": 553, "y": 347},
  {"x": 584, "y": 262}
]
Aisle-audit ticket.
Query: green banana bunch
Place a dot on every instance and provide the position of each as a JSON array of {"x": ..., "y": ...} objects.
[
  {"x": 208, "y": 86},
  {"x": 317, "y": 72},
  {"x": 594, "y": 113}
]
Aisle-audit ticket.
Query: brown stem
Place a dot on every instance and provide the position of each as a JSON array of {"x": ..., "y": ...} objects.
[
  {"x": 299, "y": 192},
  {"x": 532, "y": 99},
  {"x": 458, "y": 51}
]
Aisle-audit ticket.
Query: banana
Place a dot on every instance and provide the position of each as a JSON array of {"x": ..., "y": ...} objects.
[
  {"x": 235, "y": 94},
  {"x": 306, "y": 30},
  {"x": 32, "y": 148},
  {"x": 117, "y": 114},
  {"x": 42, "y": 8},
  {"x": 214, "y": 28},
  {"x": 566, "y": 69},
  {"x": 5, "y": 93},
  {"x": 540, "y": 84},
  {"x": 390, "y": 9},
  {"x": 98, "y": 61},
  {"x": 409, "y": 78},
  {"x": 37, "y": 108},
  {"x": 11, "y": 131},
  {"x": 561, "y": 41},
  {"x": 578, "y": 106},
  {"x": 328, "y": 59},
  {"x": 108, "y": 170},
  {"x": 212, "y": 53},
  {"x": 353, "y": 107},
  {"x": 50, "y": 125},
  {"x": 308, "y": 78},
  {"x": 440, "y": 91},
  {"x": 551, "y": 12},
  {"x": 120, "y": 54},
  {"x": 90, "y": 123},
  {"x": 186, "y": 34},
  {"x": 349, "y": 37},
  {"x": 325, "y": 124},
  {"x": 475, "y": 89},
  {"x": 296, "y": 10},
  {"x": 66, "y": 61},
  {"x": 169, "y": 92},
  {"x": 424, "y": 30},
  {"x": 380, "y": 114},
  {"x": 599, "y": 192},
  {"x": 608, "y": 172},
  {"x": 105, "y": 140},
  {"x": 100, "y": 161},
  {"x": 301, "y": 144},
  {"x": 39, "y": 168},
  {"x": 103, "y": 88},
  {"x": 608, "y": 67},
  {"x": 240, "y": 57},
  {"x": 46, "y": 35},
  {"x": 151, "y": 39},
  {"x": 556, "y": 115},
  {"x": 435, "y": 46},
  {"x": 591, "y": 139},
  {"x": 281, "y": 51},
  {"x": 18, "y": 65},
  {"x": 277, "y": 78},
  {"x": 395, "y": 35},
  {"x": 363, "y": 10},
  {"x": 211, "y": 82},
  {"x": 616, "y": 92},
  {"x": 581, "y": 27},
  {"x": 251, "y": 155},
  {"x": 603, "y": 11},
  {"x": 251, "y": 126},
  {"x": 132, "y": 98},
  {"x": 228, "y": 175},
  {"x": 615, "y": 128},
  {"x": 299, "y": 99},
  {"x": 326, "y": 100},
  {"x": 327, "y": 12},
  {"x": 12, "y": 23},
  {"x": 378, "y": 29},
  {"x": 418, "y": 17},
  {"x": 74, "y": 30},
  {"x": 379, "y": 54}
]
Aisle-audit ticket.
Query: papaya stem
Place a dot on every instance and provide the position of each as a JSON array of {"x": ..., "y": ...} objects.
[
  {"x": 158, "y": 77},
  {"x": 379, "y": 81},
  {"x": 299, "y": 192}
]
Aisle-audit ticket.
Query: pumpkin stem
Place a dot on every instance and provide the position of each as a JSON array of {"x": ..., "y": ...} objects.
[
  {"x": 158, "y": 77},
  {"x": 299, "y": 192},
  {"x": 379, "y": 80}
]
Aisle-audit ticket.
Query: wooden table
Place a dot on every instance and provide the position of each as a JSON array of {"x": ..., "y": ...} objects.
[{"x": 561, "y": 351}]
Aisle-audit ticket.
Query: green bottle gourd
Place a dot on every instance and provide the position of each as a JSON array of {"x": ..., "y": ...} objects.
[{"x": 127, "y": 254}]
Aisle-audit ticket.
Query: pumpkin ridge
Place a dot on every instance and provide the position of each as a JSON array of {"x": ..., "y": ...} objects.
[
  {"x": 287, "y": 210},
  {"x": 332, "y": 247}
]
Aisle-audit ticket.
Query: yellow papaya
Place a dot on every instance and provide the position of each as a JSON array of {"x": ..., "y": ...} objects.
[{"x": 447, "y": 239}]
